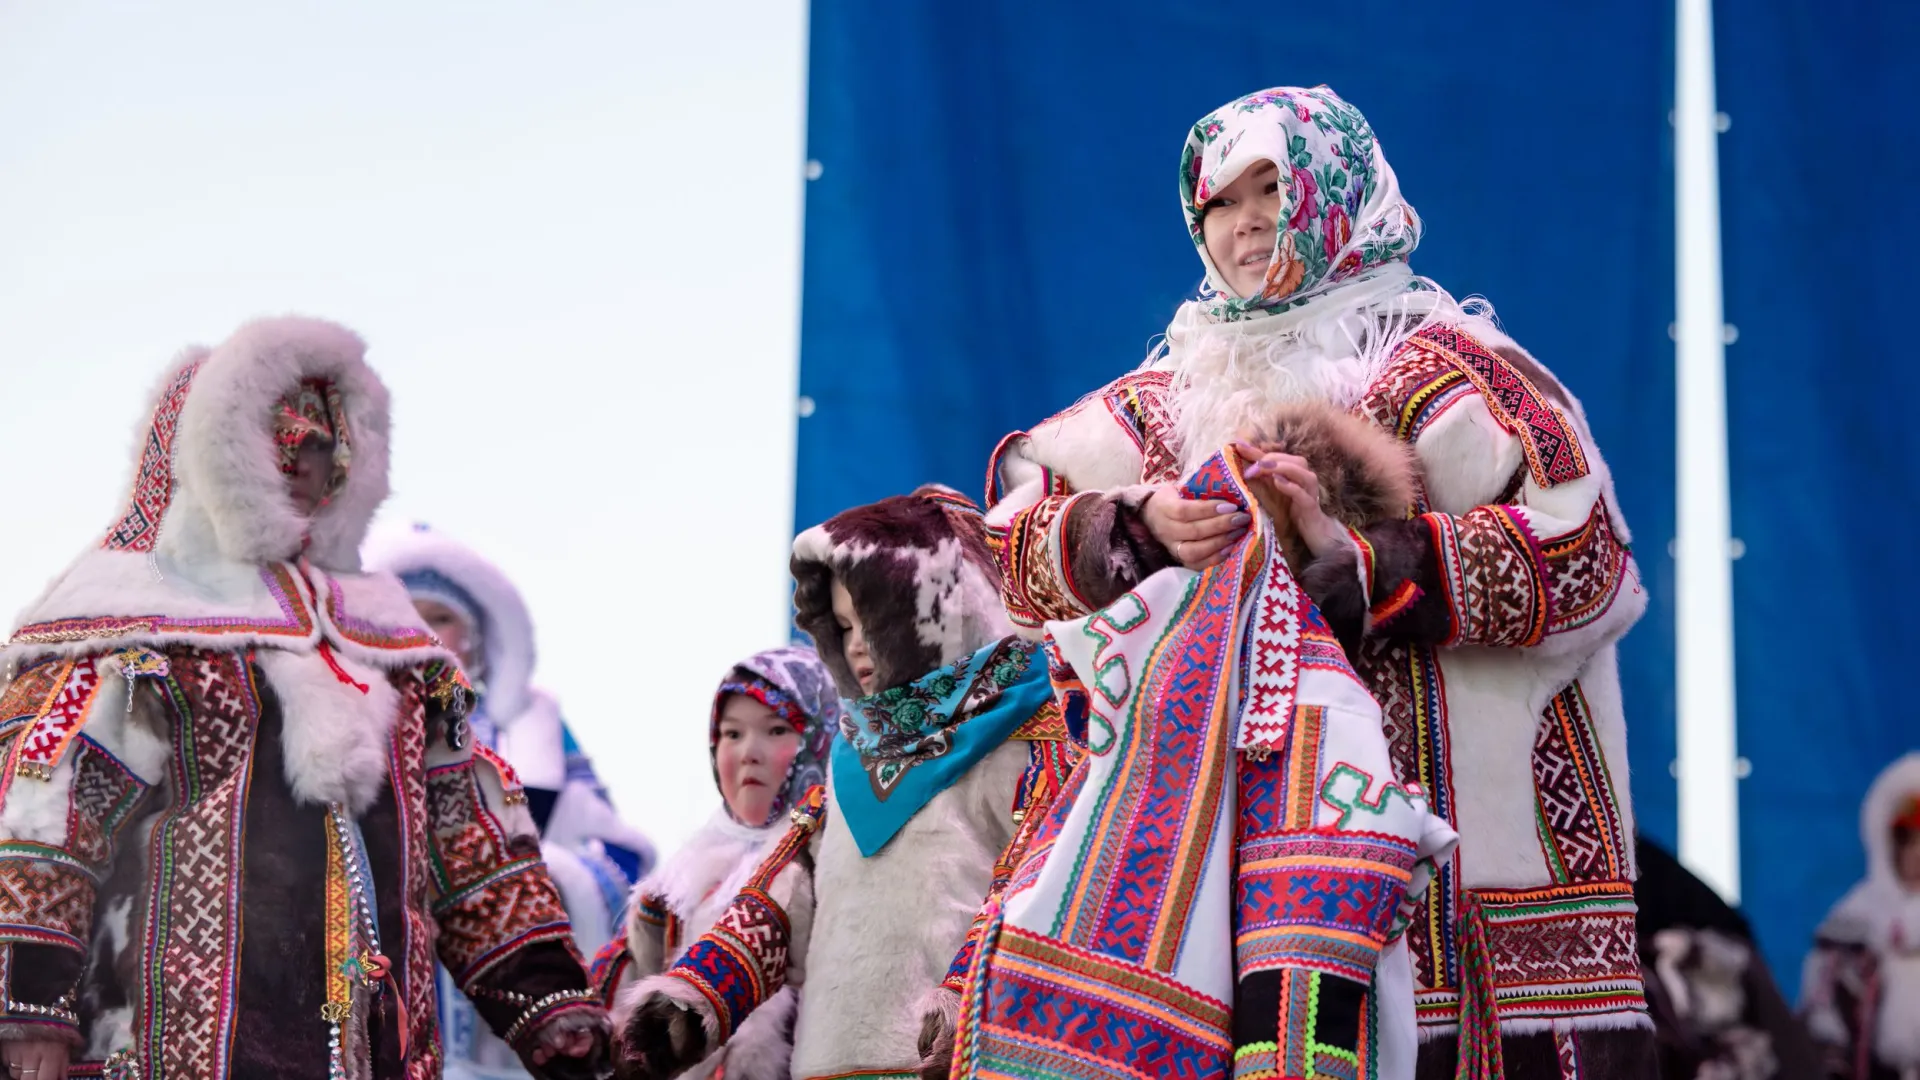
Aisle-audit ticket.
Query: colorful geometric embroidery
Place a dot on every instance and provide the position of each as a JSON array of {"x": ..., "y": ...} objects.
[
  {"x": 59, "y": 719},
  {"x": 1139, "y": 402},
  {"x": 280, "y": 585},
  {"x": 139, "y": 528},
  {"x": 360, "y": 631},
  {"x": 1579, "y": 821},
  {"x": 742, "y": 961},
  {"x": 32, "y": 687},
  {"x": 1495, "y": 576},
  {"x": 1054, "y": 1010},
  {"x": 609, "y": 967},
  {"x": 407, "y": 768},
  {"x": 1561, "y": 952},
  {"x": 104, "y": 796},
  {"x": 1586, "y": 569},
  {"x": 1394, "y": 603},
  {"x": 1319, "y": 901},
  {"x": 1552, "y": 449},
  {"x": 192, "y": 922},
  {"x": 1407, "y": 682},
  {"x": 1035, "y": 587},
  {"x": 46, "y": 896}
]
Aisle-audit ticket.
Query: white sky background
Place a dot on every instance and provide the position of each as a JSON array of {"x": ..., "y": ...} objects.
[{"x": 569, "y": 232}]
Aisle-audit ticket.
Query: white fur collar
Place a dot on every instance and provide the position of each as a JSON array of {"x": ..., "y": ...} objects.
[
  {"x": 717, "y": 860},
  {"x": 113, "y": 599}
]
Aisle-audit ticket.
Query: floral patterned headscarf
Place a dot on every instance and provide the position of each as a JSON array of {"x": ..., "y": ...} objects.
[
  {"x": 313, "y": 408},
  {"x": 795, "y": 685},
  {"x": 1342, "y": 219}
]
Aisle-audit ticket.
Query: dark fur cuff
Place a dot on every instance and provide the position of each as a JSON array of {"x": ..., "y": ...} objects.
[
  {"x": 1111, "y": 549},
  {"x": 1407, "y": 601}
]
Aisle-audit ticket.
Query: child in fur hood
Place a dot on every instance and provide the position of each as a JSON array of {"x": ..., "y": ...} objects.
[
  {"x": 218, "y": 722},
  {"x": 1861, "y": 988},
  {"x": 593, "y": 856},
  {"x": 773, "y": 718},
  {"x": 951, "y": 740}
]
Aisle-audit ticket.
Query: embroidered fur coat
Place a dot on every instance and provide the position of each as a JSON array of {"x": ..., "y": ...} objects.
[
  {"x": 1483, "y": 617},
  {"x": 239, "y": 817},
  {"x": 872, "y": 941}
]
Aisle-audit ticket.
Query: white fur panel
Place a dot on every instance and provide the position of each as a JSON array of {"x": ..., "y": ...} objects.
[
  {"x": 121, "y": 583},
  {"x": 36, "y": 810},
  {"x": 508, "y": 640},
  {"x": 1494, "y": 701},
  {"x": 112, "y": 1031},
  {"x": 814, "y": 545},
  {"x": 886, "y": 926},
  {"x": 1085, "y": 445},
  {"x": 224, "y": 447},
  {"x": 335, "y": 737},
  {"x": 1467, "y": 458},
  {"x": 532, "y": 742},
  {"x": 700, "y": 879},
  {"x": 957, "y": 607}
]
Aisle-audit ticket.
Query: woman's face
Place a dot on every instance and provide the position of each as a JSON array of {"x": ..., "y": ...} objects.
[
  {"x": 756, "y": 747},
  {"x": 312, "y": 472},
  {"x": 853, "y": 639},
  {"x": 450, "y": 627},
  {"x": 1240, "y": 228}
]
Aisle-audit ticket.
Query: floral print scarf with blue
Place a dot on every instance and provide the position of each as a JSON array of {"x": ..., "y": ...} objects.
[
  {"x": 906, "y": 744},
  {"x": 1343, "y": 219}
]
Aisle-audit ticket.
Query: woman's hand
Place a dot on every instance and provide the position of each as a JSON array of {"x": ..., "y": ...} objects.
[
  {"x": 34, "y": 1059},
  {"x": 1197, "y": 533},
  {"x": 1288, "y": 479}
]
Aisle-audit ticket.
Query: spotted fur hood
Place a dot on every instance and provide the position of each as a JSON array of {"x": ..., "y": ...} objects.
[{"x": 919, "y": 573}]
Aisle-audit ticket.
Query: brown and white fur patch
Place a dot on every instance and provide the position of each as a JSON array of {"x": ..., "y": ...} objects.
[{"x": 919, "y": 573}]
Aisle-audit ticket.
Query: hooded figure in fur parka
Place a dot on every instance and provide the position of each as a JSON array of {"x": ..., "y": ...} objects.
[
  {"x": 593, "y": 856},
  {"x": 950, "y": 730},
  {"x": 1861, "y": 985},
  {"x": 1482, "y": 616},
  {"x": 774, "y": 717},
  {"x": 240, "y": 812}
]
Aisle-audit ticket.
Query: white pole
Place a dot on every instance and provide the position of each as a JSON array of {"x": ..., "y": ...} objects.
[{"x": 1703, "y": 664}]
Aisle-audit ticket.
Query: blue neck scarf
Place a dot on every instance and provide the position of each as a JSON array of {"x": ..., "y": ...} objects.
[{"x": 905, "y": 745}]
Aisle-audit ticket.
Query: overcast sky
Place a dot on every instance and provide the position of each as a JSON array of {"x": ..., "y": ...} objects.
[{"x": 569, "y": 232}]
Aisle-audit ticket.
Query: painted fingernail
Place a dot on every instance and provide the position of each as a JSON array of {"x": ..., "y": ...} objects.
[
  {"x": 1242, "y": 520},
  {"x": 1225, "y": 508}
]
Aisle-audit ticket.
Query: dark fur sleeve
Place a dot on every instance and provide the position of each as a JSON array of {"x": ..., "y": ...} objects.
[
  {"x": 1407, "y": 600},
  {"x": 530, "y": 974},
  {"x": 1111, "y": 548}
]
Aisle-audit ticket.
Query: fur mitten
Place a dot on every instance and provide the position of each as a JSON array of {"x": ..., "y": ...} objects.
[
  {"x": 940, "y": 1015},
  {"x": 665, "y": 1036}
]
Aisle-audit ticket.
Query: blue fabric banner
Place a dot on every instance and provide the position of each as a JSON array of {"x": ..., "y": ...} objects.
[{"x": 1817, "y": 175}]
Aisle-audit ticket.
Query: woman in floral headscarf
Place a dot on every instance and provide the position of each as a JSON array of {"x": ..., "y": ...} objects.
[
  {"x": 772, "y": 722},
  {"x": 1479, "y": 599}
]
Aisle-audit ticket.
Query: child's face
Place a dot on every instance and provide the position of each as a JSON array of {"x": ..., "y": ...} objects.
[
  {"x": 853, "y": 638},
  {"x": 756, "y": 747},
  {"x": 1906, "y": 860},
  {"x": 448, "y": 625},
  {"x": 1239, "y": 228},
  {"x": 312, "y": 472}
]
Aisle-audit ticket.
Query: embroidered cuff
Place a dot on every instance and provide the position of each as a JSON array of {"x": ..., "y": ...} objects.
[{"x": 741, "y": 962}]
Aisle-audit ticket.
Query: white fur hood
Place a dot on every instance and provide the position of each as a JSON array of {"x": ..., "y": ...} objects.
[
  {"x": 208, "y": 548},
  {"x": 506, "y": 630}
]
